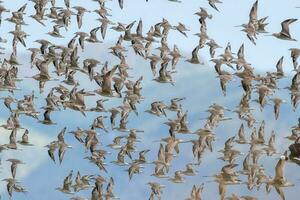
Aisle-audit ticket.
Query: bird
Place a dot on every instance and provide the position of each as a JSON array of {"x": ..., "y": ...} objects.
[
  {"x": 55, "y": 32},
  {"x": 284, "y": 34},
  {"x": 295, "y": 53},
  {"x": 8, "y": 101},
  {"x": 279, "y": 180},
  {"x": 182, "y": 29},
  {"x": 212, "y": 47},
  {"x": 196, "y": 192},
  {"x": 213, "y": 3},
  {"x": 203, "y": 14},
  {"x": 13, "y": 167},
  {"x": 154, "y": 59},
  {"x": 156, "y": 190},
  {"x": 195, "y": 59},
  {"x": 294, "y": 151},
  {"x": 93, "y": 36},
  {"x": 25, "y": 139},
  {"x": 277, "y": 104},
  {"x": 67, "y": 183},
  {"x": 47, "y": 120},
  {"x": 79, "y": 16}
]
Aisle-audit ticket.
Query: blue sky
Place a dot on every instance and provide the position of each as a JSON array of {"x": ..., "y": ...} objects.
[{"x": 198, "y": 83}]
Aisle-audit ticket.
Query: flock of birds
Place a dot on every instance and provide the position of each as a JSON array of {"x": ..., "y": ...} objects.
[{"x": 116, "y": 82}]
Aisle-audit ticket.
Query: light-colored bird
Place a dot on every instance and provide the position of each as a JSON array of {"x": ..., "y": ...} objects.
[
  {"x": 277, "y": 104},
  {"x": 284, "y": 34},
  {"x": 213, "y": 3},
  {"x": 194, "y": 59}
]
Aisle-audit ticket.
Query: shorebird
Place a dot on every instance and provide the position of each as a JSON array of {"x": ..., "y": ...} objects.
[
  {"x": 279, "y": 69},
  {"x": 156, "y": 190},
  {"x": 270, "y": 149},
  {"x": 284, "y": 34},
  {"x": 134, "y": 169},
  {"x": 241, "y": 135},
  {"x": 189, "y": 171},
  {"x": 182, "y": 28},
  {"x": 295, "y": 53},
  {"x": 13, "y": 167},
  {"x": 164, "y": 75},
  {"x": 3, "y": 10},
  {"x": 51, "y": 149},
  {"x": 78, "y": 134},
  {"x": 106, "y": 83},
  {"x": 47, "y": 120},
  {"x": 203, "y": 14},
  {"x": 81, "y": 38},
  {"x": 277, "y": 104},
  {"x": 154, "y": 59},
  {"x": 55, "y": 32},
  {"x": 34, "y": 53},
  {"x": 196, "y": 193},
  {"x": 93, "y": 35},
  {"x": 25, "y": 139},
  {"x": 175, "y": 56},
  {"x": 81, "y": 182},
  {"x": 67, "y": 184},
  {"x": 195, "y": 59},
  {"x": 254, "y": 25},
  {"x": 8, "y": 101},
  {"x": 294, "y": 148},
  {"x": 212, "y": 47},
  {"x": 213, "y": 3},
  {"x": 13, "y": 186},
  {"x": 178, "y": 178},
  {"x": 104, "y": 24},
  {"x": 80, "y": 12},
  {"x": 142, "y": 156},
  {"x": 174, "y": 106},
  {"x": 157, "y": 108},
  {"x": 279, "y": 181},
  {"x": 240, "y": 61}
]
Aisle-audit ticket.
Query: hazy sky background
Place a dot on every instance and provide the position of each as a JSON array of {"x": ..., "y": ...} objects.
[{"x": 198, "y": 83}]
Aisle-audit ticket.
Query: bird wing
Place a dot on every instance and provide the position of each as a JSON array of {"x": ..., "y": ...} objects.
[
  {"x": 195, "y": 52},
  {"x": 161, "y": 153},
  {"x": 241, "y": 52},
  {"x": 139, "y": 29},
  {"x": 280, "y": 191},
  {"x": 279, "y": 170},
  {"x": 129, "y": 26},
  {"x": 285, "y": 26},
  {"x": 253, "y": 12},
  {"x": 121, "y": 3},
  {"x": 241, "y": 132},
  {"x": 279, "y": 65},
  {"x": 47, "y": 115},
  {"x": 51, "y": 154},
  {"x": 61, "y": 153}
]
